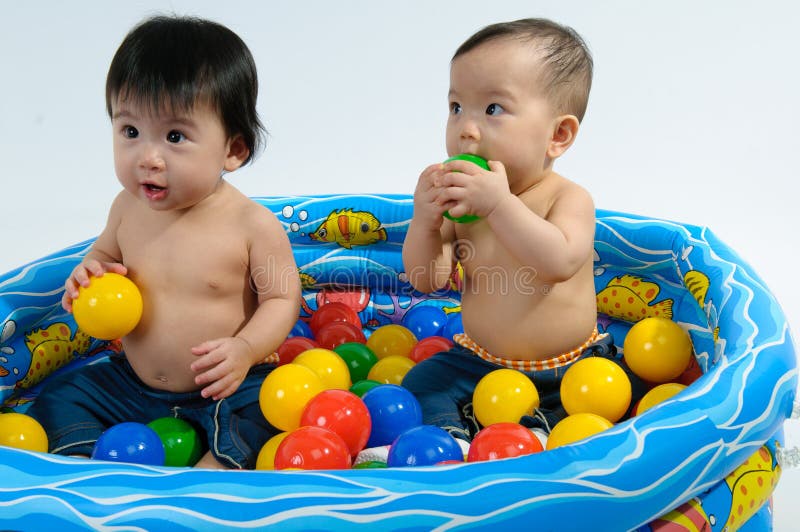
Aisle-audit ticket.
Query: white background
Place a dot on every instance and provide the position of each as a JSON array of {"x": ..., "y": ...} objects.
[{"x": 693, "y": 114}]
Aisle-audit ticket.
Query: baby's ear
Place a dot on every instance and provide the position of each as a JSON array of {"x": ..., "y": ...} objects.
[
  {"x": 238, "y": 152},
  {"x": 565, "y": 129}
]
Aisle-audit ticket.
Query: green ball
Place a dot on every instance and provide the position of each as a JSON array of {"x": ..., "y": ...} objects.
[
  {"x": 371, "y": 464},
  {"x": 475, "y": 159},
  {"x": 358, "y": 357},
  {"x": 363, "y": 386},
  {"x": 182, "y": 445}
]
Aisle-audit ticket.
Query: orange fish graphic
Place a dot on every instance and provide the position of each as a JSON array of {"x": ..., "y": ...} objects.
[
  {"x": 630, "y": 298},
  {"x": 350, "y": 228}
]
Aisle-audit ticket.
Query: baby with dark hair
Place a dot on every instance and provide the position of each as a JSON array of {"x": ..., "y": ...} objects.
[{"x": 215, "y": 269}]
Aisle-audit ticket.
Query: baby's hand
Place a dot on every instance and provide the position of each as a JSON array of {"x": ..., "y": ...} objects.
[
  {"x": 469, "y": 189},
  {"x": 80, "y": 276},
  {"x": 222, "y": 365},
  {"x": 427, "y": 208}
]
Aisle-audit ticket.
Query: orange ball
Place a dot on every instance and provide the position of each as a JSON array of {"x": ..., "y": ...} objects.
[
  {"x": 657, "y": 349},
  {"x": 391, "y": 340},
  {"x": 598, "y": 386}
]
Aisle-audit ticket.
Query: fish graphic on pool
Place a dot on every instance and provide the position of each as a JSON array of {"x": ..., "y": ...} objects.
[{"x": 350, "y": 228}]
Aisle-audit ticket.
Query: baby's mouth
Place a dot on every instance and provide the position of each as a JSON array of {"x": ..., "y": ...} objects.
[{"x": 153, "y": 191}]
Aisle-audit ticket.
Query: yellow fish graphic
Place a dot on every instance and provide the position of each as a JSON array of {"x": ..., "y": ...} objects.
[
  {"x": 630, "y": 298},
  {"x": 306, "y": 280},
  {"x": 688, "y": 517},
  {"x": 697, "y": 283},
  {"x": 51, "y": 348},
  {"x": 751, "y": 486},
  {"x": 350, "y": 228}
]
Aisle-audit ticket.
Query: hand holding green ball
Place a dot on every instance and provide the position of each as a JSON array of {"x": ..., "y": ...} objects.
[{"x": 475, "y": 159}]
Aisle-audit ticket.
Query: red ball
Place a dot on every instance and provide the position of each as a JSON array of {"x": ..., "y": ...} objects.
[
  {"x": 428, "y": 347},
  {"x": 502, "y": 440},
  {"x": 291, "y": 347},
  {"x": 336, "y": 333},
  {"x": 333, "y": 311},
  {"x": 312, "y": 448},
  {"x": 342, "y": 412}
]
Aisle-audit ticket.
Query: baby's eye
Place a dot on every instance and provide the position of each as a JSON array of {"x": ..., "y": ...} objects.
[
  {"x": 494, "y": 109},
  {"x": 130, "y": 132},
  {"x": 455, "y": 108},
  {"x": 175, "y": 136}
]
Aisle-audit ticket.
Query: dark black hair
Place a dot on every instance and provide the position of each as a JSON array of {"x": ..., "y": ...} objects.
[
  {"x": 171, "y": 62},
  {"x": 566, "y": 60}
]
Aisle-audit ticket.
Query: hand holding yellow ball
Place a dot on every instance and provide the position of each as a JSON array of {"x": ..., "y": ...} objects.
[{"x": 109, "y": 308}]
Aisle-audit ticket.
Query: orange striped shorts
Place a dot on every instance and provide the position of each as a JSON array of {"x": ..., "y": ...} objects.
[{"x": 559, "y": 361}]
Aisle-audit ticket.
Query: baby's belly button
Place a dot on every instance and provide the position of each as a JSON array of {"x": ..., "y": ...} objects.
[{"x": 162, "y": 378}]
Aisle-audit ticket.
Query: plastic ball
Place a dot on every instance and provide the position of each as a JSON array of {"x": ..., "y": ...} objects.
[
  {"x": 130, "y": 442},
  {"x": 266, "y": 456},
  {"x": 576, "y": 427},
  {"x": 330, "y": 367},
  {"x": 659, "y": 394},
  {"x": 502, "y": 440},
  {"x": 427, "y": 347},
  {"x": 390, "y": 370},
  {"x": 312, "y": 448},
  {"x": 109, "y": 308},
  {"x": 453, "y": 326},
  {"x": 342, "y": 412},
  {"x": 182, "y": 445},
  {"x": 291, "y": 347},
  {"x": 424, "y": 321},
  {"x": 391, "y": 340},
  {"x": 423, "y": 445},
  {"x": 393, "y": 410},
  {"x": 358, "y": 357},
  {"x": 657, "y": 349},
  {"x": 335, "y": 333},
  {"x": 598, "y": 386},
  {"x": 285, "y": 393},
  {"x": 300, "y": 328},
  {"x": 363, "y": 386},
  {"x": 504, "y": 395},
  {"x": 333, "y": 311},
  {"x": 480, "y": 161},
  {"x": 371, "y": 464},
  {"x": 21, "y": 431}
]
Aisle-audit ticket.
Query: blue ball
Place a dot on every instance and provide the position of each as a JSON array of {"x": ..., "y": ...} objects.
[
  {"x": 425, "y": 321},
  {"x": 393, "y": 410},
  {"x": 301, "y": 328},
  {"x": 130, "y": 442},
  {"x": 424, "y": 445},
  {"x": 453, "y": 326}
]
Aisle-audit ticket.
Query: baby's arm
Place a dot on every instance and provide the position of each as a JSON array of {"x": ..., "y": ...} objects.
[
  {"x": 556, "y": 246},
  {"x": 223, "y": 363},
  {"x": 427, "y": 255},
  {"x": 104, "y": 256}
]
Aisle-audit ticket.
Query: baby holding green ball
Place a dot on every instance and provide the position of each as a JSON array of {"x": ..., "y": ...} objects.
[{"x": 518, "y": 93}]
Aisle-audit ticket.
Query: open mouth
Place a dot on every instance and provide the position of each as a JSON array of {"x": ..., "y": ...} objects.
[{"x": 154, "y": 191}]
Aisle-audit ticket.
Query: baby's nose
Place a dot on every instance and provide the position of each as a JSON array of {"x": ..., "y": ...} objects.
[{"x": 151, "y": 159}]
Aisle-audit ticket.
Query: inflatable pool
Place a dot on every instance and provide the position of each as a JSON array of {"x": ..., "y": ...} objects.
[{"x": 703, "y": 460}]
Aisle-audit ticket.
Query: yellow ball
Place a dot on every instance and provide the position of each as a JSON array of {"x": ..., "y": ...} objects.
[
  {"x": 285, "y": 393},
  {"x": 576, "y": 427},
  {"x": 598, "y": 386},
  {"x": 657, "y": 349},
  {"x": 391, "y": 340},
  {"x": 391, "y": 369},
  {"x": 22, "y": 432},
  {"x": 659, "y": 394},
  {"x": 504, "y": 395},
  {"x": 266, "y": 456},
  {"x": 331, "y": 368},
  {"x": 109, "y": 308}
]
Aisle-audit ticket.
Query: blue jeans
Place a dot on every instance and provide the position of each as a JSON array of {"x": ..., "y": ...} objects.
[
  {"x": 444, "y": 384},
  {"x": 78, "y": 406}
]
